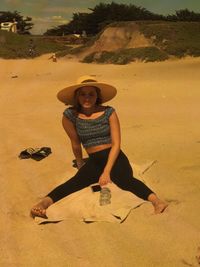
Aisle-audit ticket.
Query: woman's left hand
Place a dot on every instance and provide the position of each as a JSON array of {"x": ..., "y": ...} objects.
[
  {"x": 104, "y": 179},
  {"x": 80, "y": 164}
]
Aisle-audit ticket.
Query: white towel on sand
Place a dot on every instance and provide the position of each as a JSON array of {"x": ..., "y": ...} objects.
[{"x": 84, "y": 204}]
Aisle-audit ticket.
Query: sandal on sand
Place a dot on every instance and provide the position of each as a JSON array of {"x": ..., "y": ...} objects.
[
  {"x": 35, "y": 153},
  {"x": 37, "y": 212}
]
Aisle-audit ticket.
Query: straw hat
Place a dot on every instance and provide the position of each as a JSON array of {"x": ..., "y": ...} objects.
[{"x": 66, "y": 95}]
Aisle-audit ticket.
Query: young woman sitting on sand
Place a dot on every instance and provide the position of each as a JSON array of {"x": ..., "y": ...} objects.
[{"x": 97, "y": 128}]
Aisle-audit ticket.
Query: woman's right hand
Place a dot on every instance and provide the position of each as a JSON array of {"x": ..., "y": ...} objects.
[{"x": 104, "y": 179}]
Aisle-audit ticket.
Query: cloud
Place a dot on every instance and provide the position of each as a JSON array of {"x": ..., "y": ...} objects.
[
  {"x": 56, "y": 17},
  {"x": 64, "y": 10},
  {"x": 41, "y": 24}
]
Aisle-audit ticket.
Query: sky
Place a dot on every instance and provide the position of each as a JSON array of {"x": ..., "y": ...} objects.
[{"x": 47, "y": 14}]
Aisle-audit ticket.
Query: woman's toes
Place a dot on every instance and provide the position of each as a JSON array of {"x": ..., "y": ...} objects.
[
  {"x": 38, "y": 212},
  {"x": 160, "y": 207}
]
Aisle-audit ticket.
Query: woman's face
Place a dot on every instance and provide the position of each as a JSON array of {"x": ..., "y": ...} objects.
[{"x": 87, "y": 96}]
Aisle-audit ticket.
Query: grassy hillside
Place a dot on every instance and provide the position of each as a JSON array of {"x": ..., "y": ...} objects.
[
  {"x": 168, "y": 39},
  {"x": 17, "y": 46},
  {"x": 175, "y": 38}
]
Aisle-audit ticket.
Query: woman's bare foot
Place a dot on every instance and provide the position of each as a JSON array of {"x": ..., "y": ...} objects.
[
  {"x": 39, "y": 210},
  {"x": 159, "y": 205}
]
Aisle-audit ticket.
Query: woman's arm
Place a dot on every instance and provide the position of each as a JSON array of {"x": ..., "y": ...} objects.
[
  {"x": 75, "y": 142},
  {"x": 115, "y": 149}
]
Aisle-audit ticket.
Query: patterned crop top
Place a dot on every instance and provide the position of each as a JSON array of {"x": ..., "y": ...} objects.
[{"x": 92, "y": 132}]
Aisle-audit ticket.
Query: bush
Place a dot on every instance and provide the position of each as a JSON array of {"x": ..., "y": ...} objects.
[
  {"x": 125, "y": 56},
  {"x": 175, "y": 38}
]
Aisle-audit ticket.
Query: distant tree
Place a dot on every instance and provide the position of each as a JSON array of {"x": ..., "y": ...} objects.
[
  {"x": 101, "y": 15},
  {"x": 187, "y": 15},
  {"x": 58, "y": 31},
  {"x": 171, "y": 18},
  {"x": 184, "y": 15},
  {"x": 104, "y": 14},
  {"x": 79, "y": 23},
  {"x": 24, "y": 24}
]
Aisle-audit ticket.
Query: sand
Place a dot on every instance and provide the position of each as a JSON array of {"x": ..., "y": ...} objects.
[{"x": 158, "y": 106}]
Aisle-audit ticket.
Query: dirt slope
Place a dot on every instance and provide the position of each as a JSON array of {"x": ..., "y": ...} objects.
[{"x": 119, "y": 37}]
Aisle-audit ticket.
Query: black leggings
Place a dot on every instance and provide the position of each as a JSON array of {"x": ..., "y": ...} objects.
[{"x": 121, "y": 175}]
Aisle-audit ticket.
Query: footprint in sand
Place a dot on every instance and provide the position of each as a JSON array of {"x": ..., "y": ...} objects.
[
  {"x": 198, "y": 255},
  {"x": 187, "y": 263},
  {"x": 191, "y": 168},
  {"x": 174, "y": 201}
]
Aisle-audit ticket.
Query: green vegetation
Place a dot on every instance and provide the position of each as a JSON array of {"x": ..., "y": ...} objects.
[
  {"x": 175, "y": 38},
  {"x": 18, "y": 46},
  {"x": 124, "y": 56}
]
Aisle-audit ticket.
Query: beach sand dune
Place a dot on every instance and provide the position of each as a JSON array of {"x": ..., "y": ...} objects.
[{"x": 158, "y": 106}]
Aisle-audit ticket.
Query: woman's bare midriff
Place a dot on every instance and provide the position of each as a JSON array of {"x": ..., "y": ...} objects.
[{"x": 94, "y": 149}]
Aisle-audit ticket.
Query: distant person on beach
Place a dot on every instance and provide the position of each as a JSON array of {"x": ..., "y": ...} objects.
[
  {"x": 31, "y": 48},
  {"x": 53, "y": 57},
  {"x": 95, "y": 126}
]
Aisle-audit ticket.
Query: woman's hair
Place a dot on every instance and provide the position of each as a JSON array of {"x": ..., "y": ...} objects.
[{"x": 77, "y": 105}]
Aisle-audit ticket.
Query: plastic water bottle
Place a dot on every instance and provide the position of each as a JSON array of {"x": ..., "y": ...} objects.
[{"x": 105, "y": 196}]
